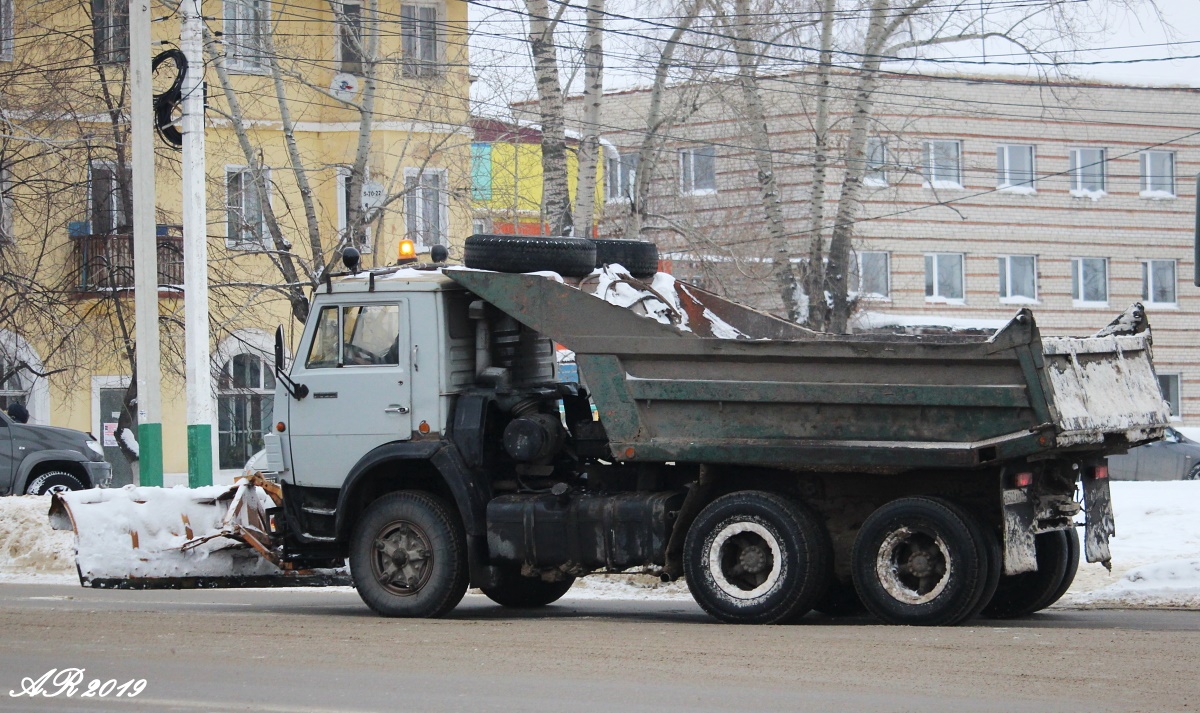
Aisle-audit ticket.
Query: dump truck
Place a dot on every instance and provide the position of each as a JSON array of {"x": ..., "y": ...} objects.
[{"x": 421, "y": 434}]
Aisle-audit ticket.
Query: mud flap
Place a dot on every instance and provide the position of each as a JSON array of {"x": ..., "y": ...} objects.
[
  {"x": 1097, "y": 505},
  {"x": 1020, "y": 549}
]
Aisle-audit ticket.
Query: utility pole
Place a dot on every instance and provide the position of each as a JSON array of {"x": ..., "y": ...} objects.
[
  {"x": 195, "y": 253},
  {"x": 145, "y": 249}
]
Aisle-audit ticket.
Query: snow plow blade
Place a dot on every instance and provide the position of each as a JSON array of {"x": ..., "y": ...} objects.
[{"x": 180, "y": 538}]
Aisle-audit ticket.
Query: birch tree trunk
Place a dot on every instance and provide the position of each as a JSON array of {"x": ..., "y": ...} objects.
[
  {"x": 813, "y": 272},
  {"x": 355, "y": 225},
  {"x": 656, "y": 123},
  {"x": 555, "y": 198},
  {"x": 760, "y": 142},
  {"x": 589, "y": 144}
]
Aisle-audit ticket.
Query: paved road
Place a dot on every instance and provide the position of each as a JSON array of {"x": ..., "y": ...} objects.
[{"x": 314, "y": 651}]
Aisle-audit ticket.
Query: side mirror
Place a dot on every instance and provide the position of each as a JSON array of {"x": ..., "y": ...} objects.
[{"x": 279, "y": 349}]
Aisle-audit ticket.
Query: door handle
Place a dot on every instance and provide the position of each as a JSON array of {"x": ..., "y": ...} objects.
[{"x": 395, "y": 409}]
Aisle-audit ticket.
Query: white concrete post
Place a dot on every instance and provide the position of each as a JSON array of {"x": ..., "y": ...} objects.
[
  {"x": 145, "y": 248},
  {"x": 195, "y": 253}
]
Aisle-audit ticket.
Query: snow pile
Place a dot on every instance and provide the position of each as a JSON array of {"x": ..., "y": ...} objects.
[
  {"x": 1155, "y": 553},
  {"x": 29, "y": 549},
  {"x": 657, "y": 300},
  {"x": 627, "y": 585},
  {"x": 139, "y": 532}
]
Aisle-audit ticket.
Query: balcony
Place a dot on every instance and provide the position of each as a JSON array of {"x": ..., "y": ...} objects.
[{"x": 104, "y": 262}]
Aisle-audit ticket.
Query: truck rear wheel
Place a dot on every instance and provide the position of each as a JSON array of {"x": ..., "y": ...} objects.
[
  {"x": 754, "y": 557},
  {"x": 518, "y": 592},
  {"x": 924, "y": 561},
  {"x": 408, "y": 556},
  {"x": 1028, "y": 592},
  {"x": 1072, "y": 567}
]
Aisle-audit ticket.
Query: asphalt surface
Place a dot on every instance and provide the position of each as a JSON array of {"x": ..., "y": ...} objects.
[{"x": 310, "y": 651}]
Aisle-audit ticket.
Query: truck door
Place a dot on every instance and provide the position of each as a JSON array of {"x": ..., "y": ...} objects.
[{"x": 356, "y": 364}]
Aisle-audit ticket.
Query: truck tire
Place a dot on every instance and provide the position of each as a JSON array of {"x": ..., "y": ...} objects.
[
  {"x": 519, "y": 253},
  {"x": 1072, "y": 567},
  {"x": 1028, "y": 592},
  {"x": 408, "y": 556},
  {"x": 923, "y": 561},
  {"x": 754, "y": 557},
  {"x": 639, "y": 257},
  {"x": 54, "y": 481},
  {"x": 518, "y": 592}
]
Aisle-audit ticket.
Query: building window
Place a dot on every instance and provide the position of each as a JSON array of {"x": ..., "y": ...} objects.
[
  {"x": 698, "y": 170},
  {"x": 481, "y": 172},
  {"x": 1018, "y": 278},
  {"x": 1087, "y": 172},
  {"x": 620, "y": 175},
  {"x": 1169, "y": 385},
  {"x": 15, "y": 382},
  {"x": 245, "y": 401},
  {"x": 877, "y": 157},
  {"x": 246, "y": 227},
  {"x": 944, "y": 277},
  {"x": 1089, "y": 280},
  {"x": 6, "y": 30},
  {"x": 1158, "y": 174},
  {"x": 1158, "y": 281},
  {"x": 110, "y": 31},
  {"x": 6, "y": 208},
  {"x": 246, "y": 27},
  {"x": 870, "y": 275},
  {"x": 106, "y": 188},
  {"x": 942, "y": 164},
  {"x": 426, "y": 206},
  {"x": 349, "y": 28},
  {"x": 1014, "y": 168},
  {"x": 419, "y": 30}
]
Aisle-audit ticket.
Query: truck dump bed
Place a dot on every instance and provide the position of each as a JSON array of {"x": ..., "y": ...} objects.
[{"x": 781, "y": 395}]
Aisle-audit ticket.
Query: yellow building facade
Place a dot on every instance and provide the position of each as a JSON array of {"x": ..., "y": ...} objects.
[{"x": 298, "y": 96}]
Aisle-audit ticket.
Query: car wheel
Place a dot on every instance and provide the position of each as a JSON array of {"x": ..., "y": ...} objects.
[
  {"x": 639, "y": 257},
  {"x": 1028, "y": 592},
  {"x": 518, "y": 253},
  {"x": 408, "y": 556},
  {"x": 1194, "y": 473},
  {"x": 518, "y": 592},
  {"x": 923, "y": 561},
  {"x": 54, "y": 481},
  {"x": 754, "y": 557}
]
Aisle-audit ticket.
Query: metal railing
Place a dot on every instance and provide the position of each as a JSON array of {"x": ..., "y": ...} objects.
[{"x": 104, "y": 262}]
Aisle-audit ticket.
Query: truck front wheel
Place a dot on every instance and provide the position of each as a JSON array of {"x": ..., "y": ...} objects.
[
  {"x": 754, "y": 557},
  {"x": 923, "y": 561},
  {"x": 518, "y": 592},
  {"x": 408, "y": 556}
]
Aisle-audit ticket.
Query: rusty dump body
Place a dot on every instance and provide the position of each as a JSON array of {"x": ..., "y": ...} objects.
[{"x": 785, "y": 396}]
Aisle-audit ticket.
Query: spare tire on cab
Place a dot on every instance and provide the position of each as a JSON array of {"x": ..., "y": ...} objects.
[
  {"x": 574, "y": 257},
  {"x": 640, "y": 257}
]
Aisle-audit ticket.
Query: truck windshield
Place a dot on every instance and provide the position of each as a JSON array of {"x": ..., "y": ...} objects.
[{"x": 356, "y": 335}]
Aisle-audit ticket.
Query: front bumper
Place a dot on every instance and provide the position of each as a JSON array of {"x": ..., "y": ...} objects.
[{"x": 99, "y": 473}]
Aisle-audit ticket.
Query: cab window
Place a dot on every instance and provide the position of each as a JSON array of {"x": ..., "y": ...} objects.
[{"x": 356, "y": 335}]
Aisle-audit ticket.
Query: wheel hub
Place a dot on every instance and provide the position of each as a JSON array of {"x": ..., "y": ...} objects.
[
  {"x": 745, "y": 560},
  {"x": 403, "y": 558},
  {"x": 912, "y": 565}
]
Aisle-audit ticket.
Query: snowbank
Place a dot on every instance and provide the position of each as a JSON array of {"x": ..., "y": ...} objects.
[{"x": 1156, "y": 553}]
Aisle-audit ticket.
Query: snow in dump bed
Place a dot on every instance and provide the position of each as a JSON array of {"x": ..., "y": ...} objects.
[
  {"x": 656, "y": 299},
  {"x": 164, "y": 519}
]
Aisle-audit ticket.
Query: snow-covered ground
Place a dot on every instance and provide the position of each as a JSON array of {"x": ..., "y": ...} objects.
[{"x": 1156, "y": 553}]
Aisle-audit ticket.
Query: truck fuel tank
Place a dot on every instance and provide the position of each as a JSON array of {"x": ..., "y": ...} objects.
[{"x": 586, "y": 531}]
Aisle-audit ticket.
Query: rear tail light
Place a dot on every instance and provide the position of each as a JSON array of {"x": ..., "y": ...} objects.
[
  {"x": 1100, "y": 472},
  {"x": 1022, "y": 480}
]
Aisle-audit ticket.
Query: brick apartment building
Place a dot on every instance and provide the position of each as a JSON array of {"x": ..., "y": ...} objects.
[{"x": 983, "y": 195}]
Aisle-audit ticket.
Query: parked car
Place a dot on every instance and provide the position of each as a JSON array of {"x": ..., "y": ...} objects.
[
  {"x": 36, "y": 460},
  {"x": 1175, "y": 457}
]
